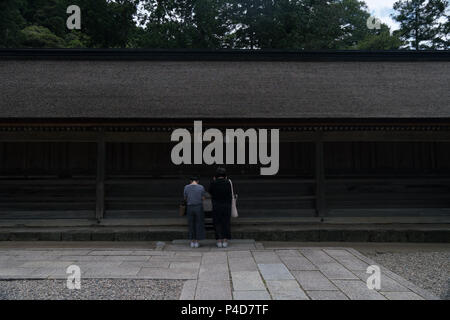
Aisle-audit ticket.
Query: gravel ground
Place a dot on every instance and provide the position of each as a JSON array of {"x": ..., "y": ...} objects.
[
  {"x": 95, "y": 289},
  {"x": 428, "y": 270}
]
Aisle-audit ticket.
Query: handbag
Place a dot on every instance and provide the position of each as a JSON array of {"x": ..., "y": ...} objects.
[
  {"x": 234, "y": 212},
  {"x": 182, "y": 209},
  {"x": 207, "y": 203}
]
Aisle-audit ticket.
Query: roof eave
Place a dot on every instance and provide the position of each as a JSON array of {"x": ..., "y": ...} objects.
[{"x": 222, "y": 55}]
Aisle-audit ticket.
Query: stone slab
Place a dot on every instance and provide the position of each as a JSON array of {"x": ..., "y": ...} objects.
[
  {"x": 247, "y": 281},
  {"x": 145, "y": 264},
  {"x": 335, "y": 270},
  {"x": 163, "y": 273},
  {"x": 347, "y": 259},
  {"x": 11, "y": 263},
  {"x": 214, "y": 258},
  {"x": 242, "y": 264},
  {"x": 287, "y": 253},
  {"x": 275, "y": 271},
  {"x": 188, "y": 291},
  {"x": 353, "y": 264},
  {"x": 115, "y": 272},
  {"x": 16, "y": 272},
  {"x": 298, "y": 263},
  {"x": 126, "y": 258},
  {"x": 82, "y": 258},
  {"x": 357, "y": 290},
  {"x": 339, "y": 253},
  {"x": 286, "y": 290},
  {"x": 402, "y": 295},
  {"x": 188, "y": 254},
  {"x": 213, "y": 290},
  {"x": 185, "y": 265},
  {"x": 266, "y": 257},
  {"x": 313, "y": 280},
  {"x": 386, "y": 283},
  {"x": 176, "y": 258},
  {"x": 110, "y": 252},
  {"x": 239, "y": 254},
  {"x": 52, "y": 273},
  {"x": 88, "y": 265},
  {"x": 214, "y": 272},
  {"x": 53, "y": 264},
  {"x": 251, "y": 295},
  {"x": 316, "y": 256},
  {"x": 326, "y": 295}
]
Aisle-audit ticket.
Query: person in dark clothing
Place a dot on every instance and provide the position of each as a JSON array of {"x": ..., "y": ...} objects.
[{"x": 220, "y": 190}]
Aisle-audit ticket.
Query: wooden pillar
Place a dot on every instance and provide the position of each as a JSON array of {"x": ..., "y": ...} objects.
[
  {"x": 320, "y": 178},
  {"x": 100, "y": 181}
]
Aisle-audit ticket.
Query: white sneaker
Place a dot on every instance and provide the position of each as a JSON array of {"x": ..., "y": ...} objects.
[
  {"x": 219, "y": 244},
  {"x": 197, "y": 245},
  {"x": 225, "y": 244},
  {"x": 192, "y": 244}
]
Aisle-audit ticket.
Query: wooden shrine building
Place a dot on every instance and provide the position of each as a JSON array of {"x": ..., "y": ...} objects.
[{"x": 85, "y": 134}]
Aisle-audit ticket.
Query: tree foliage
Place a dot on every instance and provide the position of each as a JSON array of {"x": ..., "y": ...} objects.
[
  {"x": 380, "y": 40},
  {"x": 11, "y": 22},
  {"x": 423, "y": 23},
  {"x": 214, "y": 24}
]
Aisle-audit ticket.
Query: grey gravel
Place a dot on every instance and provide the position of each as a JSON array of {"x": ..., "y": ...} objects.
[
  {"x": 91, "y": 289},
  {"x": 428, "y": 270}
]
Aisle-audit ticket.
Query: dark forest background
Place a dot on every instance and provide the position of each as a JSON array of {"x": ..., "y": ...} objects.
[{"x": 215, "y": 24}]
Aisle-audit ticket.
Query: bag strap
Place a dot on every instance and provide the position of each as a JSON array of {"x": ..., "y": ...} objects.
[{"x": 232, "y": 191}]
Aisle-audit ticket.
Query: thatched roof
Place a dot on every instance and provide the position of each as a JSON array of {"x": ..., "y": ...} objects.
[{"x": 151, "y": 85}]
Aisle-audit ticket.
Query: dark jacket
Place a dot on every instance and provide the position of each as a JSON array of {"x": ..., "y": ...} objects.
[{"x": 220, "y": 190}]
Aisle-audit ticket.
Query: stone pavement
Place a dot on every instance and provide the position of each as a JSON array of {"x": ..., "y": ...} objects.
[{"x": 245, "y": 270}]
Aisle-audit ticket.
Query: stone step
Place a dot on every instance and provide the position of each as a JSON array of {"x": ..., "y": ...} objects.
[
  {"x": 212, "y": 241},
  {"x": 303, "y": 233}
]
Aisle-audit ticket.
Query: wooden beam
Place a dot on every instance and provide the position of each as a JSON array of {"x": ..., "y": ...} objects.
[
  {"x": 101, "y": 171},
  {"x": 320, "y": 178},
  {"x": 384, "y": 135},
  {"x": 31, "y": 136},
  {"x": 138, "y": 137},
  {"x": 285, "y": 136}
]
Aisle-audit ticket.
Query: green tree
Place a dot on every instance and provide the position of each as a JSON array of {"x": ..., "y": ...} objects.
[
  {"x": 183, "y": 24},
  {"x": 40, "y": 37},
  {"x": 299, "y": 24},
  {"x": 381, "y": 40},
  {"x": 76, "y": 39},
  {"x": 284, "y": 24},
  {"x": 326, "y": 24},
  {"x": 42, "y": 23},
  {"x": 353, "y": 22},
  {"x": 210, "y": 24},
  {"x": 443, "y": 42},
  {"x": 108, "y": 24},
  {"x": 50, "y": 14},
  {"x": 11, "y": 21},
  {"x": 420, "y": 22}
]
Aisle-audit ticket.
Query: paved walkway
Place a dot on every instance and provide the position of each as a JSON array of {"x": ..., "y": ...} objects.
[{"x": 245, "y": 270}]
